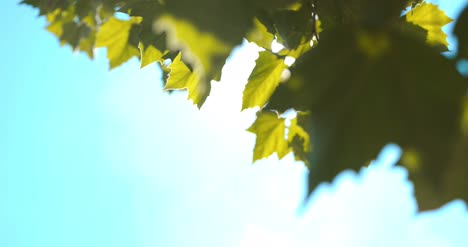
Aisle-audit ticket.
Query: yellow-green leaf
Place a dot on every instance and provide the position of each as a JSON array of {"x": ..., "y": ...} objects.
[
  {"x": 431, "y": 18},
  {"x": 150, "y": 54},
  {"x": 201, "y": 49},
  {"x": 114, "y": 35},
  {"x": 181, "y": 77},
  {"x": 263, "y": 81},
  {"x": 299, "y": 51},
  {"x": 260, "y": 35},
  {"x": 270, "y": 131}
]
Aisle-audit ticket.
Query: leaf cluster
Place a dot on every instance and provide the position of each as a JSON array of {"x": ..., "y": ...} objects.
[{"x": 364, "y": 74}]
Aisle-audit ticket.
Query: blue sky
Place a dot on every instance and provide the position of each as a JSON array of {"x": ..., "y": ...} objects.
[{"x": 90, "y": 157}]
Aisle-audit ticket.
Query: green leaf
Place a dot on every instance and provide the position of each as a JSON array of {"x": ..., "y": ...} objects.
[
  {"x": 294, "y": 27},
  {"x": 47, "y": 6},
  {"x": 369, "y": 14},
  {"x": 260, "y": 35},
  {"x": 228, "y": 20},
  {"x": 181, "y": 77},
  {"x": 87, "y": 44},
  {"x": 263, "y": 81},
  {"x": 201, "y": 49},
  {"x": 79, "y": 34},
  {"x": 299, "y": 139},
  {"x": 461, "y": 31},
  {"x": 115, "y": 36},
  {"x": 207, "y": 30},
  {"x": 270, "y": 131},
  {"x": 148, "y": 9},
  {"x": 409, "y": 94},
  {"x": 299, "y": 51},
  {"x": 431, "y": 18},
  {"x": 73, "y": 33}
]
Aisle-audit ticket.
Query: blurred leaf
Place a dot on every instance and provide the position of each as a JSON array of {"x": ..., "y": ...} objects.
[
  {"x": 431, "y": 18},
  {"x": 400, "y": 96},
  {"x": 294, "y": 27},
  {"x": 270, "y": 131},
  {"x": 78, "y": 34},
  {"x": 115, "y": 36},
  {"x": 87, "y": 44},
  {"x": 260, "y": 35},
  {"x": 148, "y": 9},
  {"x": 47, "y": 6},
  {"x": 299, "y": 139},
  {"x": 461, "y": 31},
  {"x": 203, "y": 50},
  {"x": 228, "y": 20},
  {"x": 73, "y": 33},
  {"x": 369, "y": 14},
  {"x": 263, "y": 81}
]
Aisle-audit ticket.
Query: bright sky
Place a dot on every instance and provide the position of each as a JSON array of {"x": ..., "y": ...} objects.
[{"x": 96, "y": 158}]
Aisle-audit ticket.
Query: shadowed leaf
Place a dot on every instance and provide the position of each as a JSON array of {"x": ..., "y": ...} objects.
[
  {"x": 461, "y": 31},
  {"x": 408, "y": 95}
]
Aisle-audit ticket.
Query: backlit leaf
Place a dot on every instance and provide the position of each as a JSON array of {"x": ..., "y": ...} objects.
[
  {"x": 263, "y": 81},
  {"x": 149, "y": 54},
  {"x": 431, "y": 18},
  {"x": 260, "y": 35},
  {"x": 181, "y": 77},
  {"x": 114, "y": 35},
  {"x": 203, "y": 50},
  {"x": 370, "y": 79},
  {"x": 270, "y": 131}
]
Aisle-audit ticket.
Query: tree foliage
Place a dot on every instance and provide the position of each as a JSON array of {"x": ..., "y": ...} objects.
[{"x": 366, "y": 73}]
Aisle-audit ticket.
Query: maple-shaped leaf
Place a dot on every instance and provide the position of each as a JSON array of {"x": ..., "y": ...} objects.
[
  {"x": 404, "y": 92},
  {"x": 263, "y": 81},
  {"x": 150, "y": 54},
  {"x": 431, "y": 18},
  {"x": 270, "y": 131},
  {"x": 116, "y": 36},
  {"x": 181, "y": 77},
  {"x": 194, "y": 27}
]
